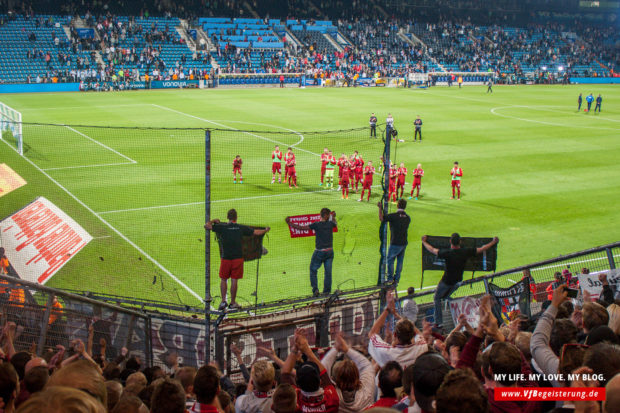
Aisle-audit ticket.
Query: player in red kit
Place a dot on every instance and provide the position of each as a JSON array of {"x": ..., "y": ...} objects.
[
  {"x": 392, "y": 188},
  {"x": 418, "y": 173},
  {"x": 358, "y": 169},
  {"x": 237, "y": 162},
  {"x": 400, "y": 182},
  {"x": 341, "y": 161},
  {"x": 324, "y": 159},
  {"x": 276, "y": 165},
  {"x": 369, "y": 172},
  {"x": 287, "y": 156},
  {"x": 291, "y": 173},
  {"x": 457, "y": 174},
  {"x": 346, "y": 179}
]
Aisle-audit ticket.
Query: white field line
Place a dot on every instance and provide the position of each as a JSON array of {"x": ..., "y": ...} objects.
[
  {"x": 120, "y": 234},
  {"x": 88, "y": 106},
  {"x": 89, "y": 166},
  {"x": 102, "y": 145},
  {"x": 118, "y": 211},
  {"x": 558, "y": 265},
  {"x": 266, "y": 124},
  {"x": 493, "y": 111},
  {"x": 537, "y": 107},
  {"x": 228, "y": 127},
  {"x": 103, "y": 237}
]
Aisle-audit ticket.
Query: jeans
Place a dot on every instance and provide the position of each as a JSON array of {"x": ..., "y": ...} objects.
[
  {"x": 395, "y": 252},
  {"x": 319, "y": 258},
  {"x": 443, "y": 291}
]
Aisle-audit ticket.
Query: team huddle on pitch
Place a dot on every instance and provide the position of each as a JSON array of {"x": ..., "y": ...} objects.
[{"x": 352, "y": 170}]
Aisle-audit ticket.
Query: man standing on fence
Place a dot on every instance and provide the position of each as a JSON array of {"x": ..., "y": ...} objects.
[
  {"x": 455, "y": 258},
  {"x": 324, "y": 248},
  {"x": 231, "y": 266},
  {"x": 399, "y": 227}
]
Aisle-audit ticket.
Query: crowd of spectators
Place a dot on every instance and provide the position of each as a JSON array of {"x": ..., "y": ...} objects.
[
  {"x": 377, "y": 45},
  {"x": 397, "y": 368}
]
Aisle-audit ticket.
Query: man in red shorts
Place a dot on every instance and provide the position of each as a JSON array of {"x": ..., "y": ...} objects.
[
  {"x": 324, "y": 160},
  {"x": 358, "y": 168},
  {"x": 231, "y": 265},
  {"x": 369, "y": 172},
  {"x": 346, "y": 179},
  {"x": 276, "y": 165},
  {"x": 418, "y": 173},
  {"x": 291, "y": 173},
  {"x": 341, "y": 161},
  {"x": 237, "y": 162},
  {"x": 392, "y": 188},
  {"x": 457, "y": 174},
  {"x": 400, "y": 183},
  {"x": 289, "y": 154}
]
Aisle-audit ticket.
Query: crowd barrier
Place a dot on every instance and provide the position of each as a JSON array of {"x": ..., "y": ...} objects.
[
  {"x": 43, "y": 318},
  {"x": 595, "y": 80},
  {"x": 159, "y": 333},
  {"x": 39, "y": 87}
]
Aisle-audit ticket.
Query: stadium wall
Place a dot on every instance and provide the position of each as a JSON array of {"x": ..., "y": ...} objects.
[
  {"x": 39, "y": 87},
  {"x": 595, "y": 80}
]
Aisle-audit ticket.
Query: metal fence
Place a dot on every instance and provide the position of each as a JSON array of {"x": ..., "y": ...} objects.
[
  {"x": 606, "y": 257},
  {"x": 178, "y": 334},
  {"x": 43, "y": 318}
]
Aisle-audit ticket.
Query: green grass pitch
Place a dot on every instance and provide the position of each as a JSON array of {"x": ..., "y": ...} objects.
[{"x": 537, "y": 173}]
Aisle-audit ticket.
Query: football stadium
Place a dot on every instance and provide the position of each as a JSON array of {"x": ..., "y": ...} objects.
[{"x": 304, "y": 206}]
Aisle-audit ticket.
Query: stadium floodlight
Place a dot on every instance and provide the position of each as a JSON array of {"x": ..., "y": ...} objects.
[
  {"x": 561, "y": 68},
  {"x": 544, "y": 68},
  {"x": 11, "y": 121}
]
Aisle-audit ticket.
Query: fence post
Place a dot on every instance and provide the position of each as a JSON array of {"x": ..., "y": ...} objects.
[
  {"x": 44, "y": 324},
  {"x": 148, "y": 350},
  {"x": 219, "y": 345},
  {"x": 383, "y": 233},
  {"x": 610, "y": 258},
  {"x": 207, "y": 247},
  {"x": 130, "y": 327}
]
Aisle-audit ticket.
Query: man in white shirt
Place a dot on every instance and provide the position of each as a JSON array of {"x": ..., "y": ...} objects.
[{"x": 406, "y": 345}]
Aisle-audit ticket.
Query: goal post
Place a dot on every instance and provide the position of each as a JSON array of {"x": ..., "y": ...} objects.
[{"x": 11, "y": 121}]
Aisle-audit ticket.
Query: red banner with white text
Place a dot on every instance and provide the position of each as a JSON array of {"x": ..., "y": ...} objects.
[
  {"x": 40, "y": 238},
  {"x": 304, "y": 220}
]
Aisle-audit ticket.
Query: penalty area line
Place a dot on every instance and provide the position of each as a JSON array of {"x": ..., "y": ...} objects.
[
  {"x": 106, "y": 223},
  {"x": 235, "y": 129},
  {"x": 89, "y": 166},
  {"x": 118, "y": 211},
  {"x": 101, "y": 144}
]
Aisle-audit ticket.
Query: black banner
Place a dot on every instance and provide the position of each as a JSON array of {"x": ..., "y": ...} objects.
[
  {"x": 511, "y": 301},
  {"x": 481, "y": 262},
  {"x": 252, "y": 245}
]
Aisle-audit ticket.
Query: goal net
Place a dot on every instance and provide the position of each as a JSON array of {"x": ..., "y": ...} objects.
[{"x": 11, "y": 127}]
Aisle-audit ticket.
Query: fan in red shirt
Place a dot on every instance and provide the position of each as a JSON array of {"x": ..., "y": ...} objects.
[
  {"x": 341, "y": 161},
  {"x": 392, "y": 189},
  {"x": 292, "y": 173},
  {"x": 237, "y": 162},
  {"x": 402, "y": 176},
  {"x": 287, "y": 157},
  {"x": 324, "y": 160},
  {"x": 418, "y": 173},
  {"x": 315, "y": 391},
  {"x": 358, "y": 168},
  {"x": 346, "y": 179},
  {"x": 276, "y": 165},
  {"x": 369, "y": 171}
]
